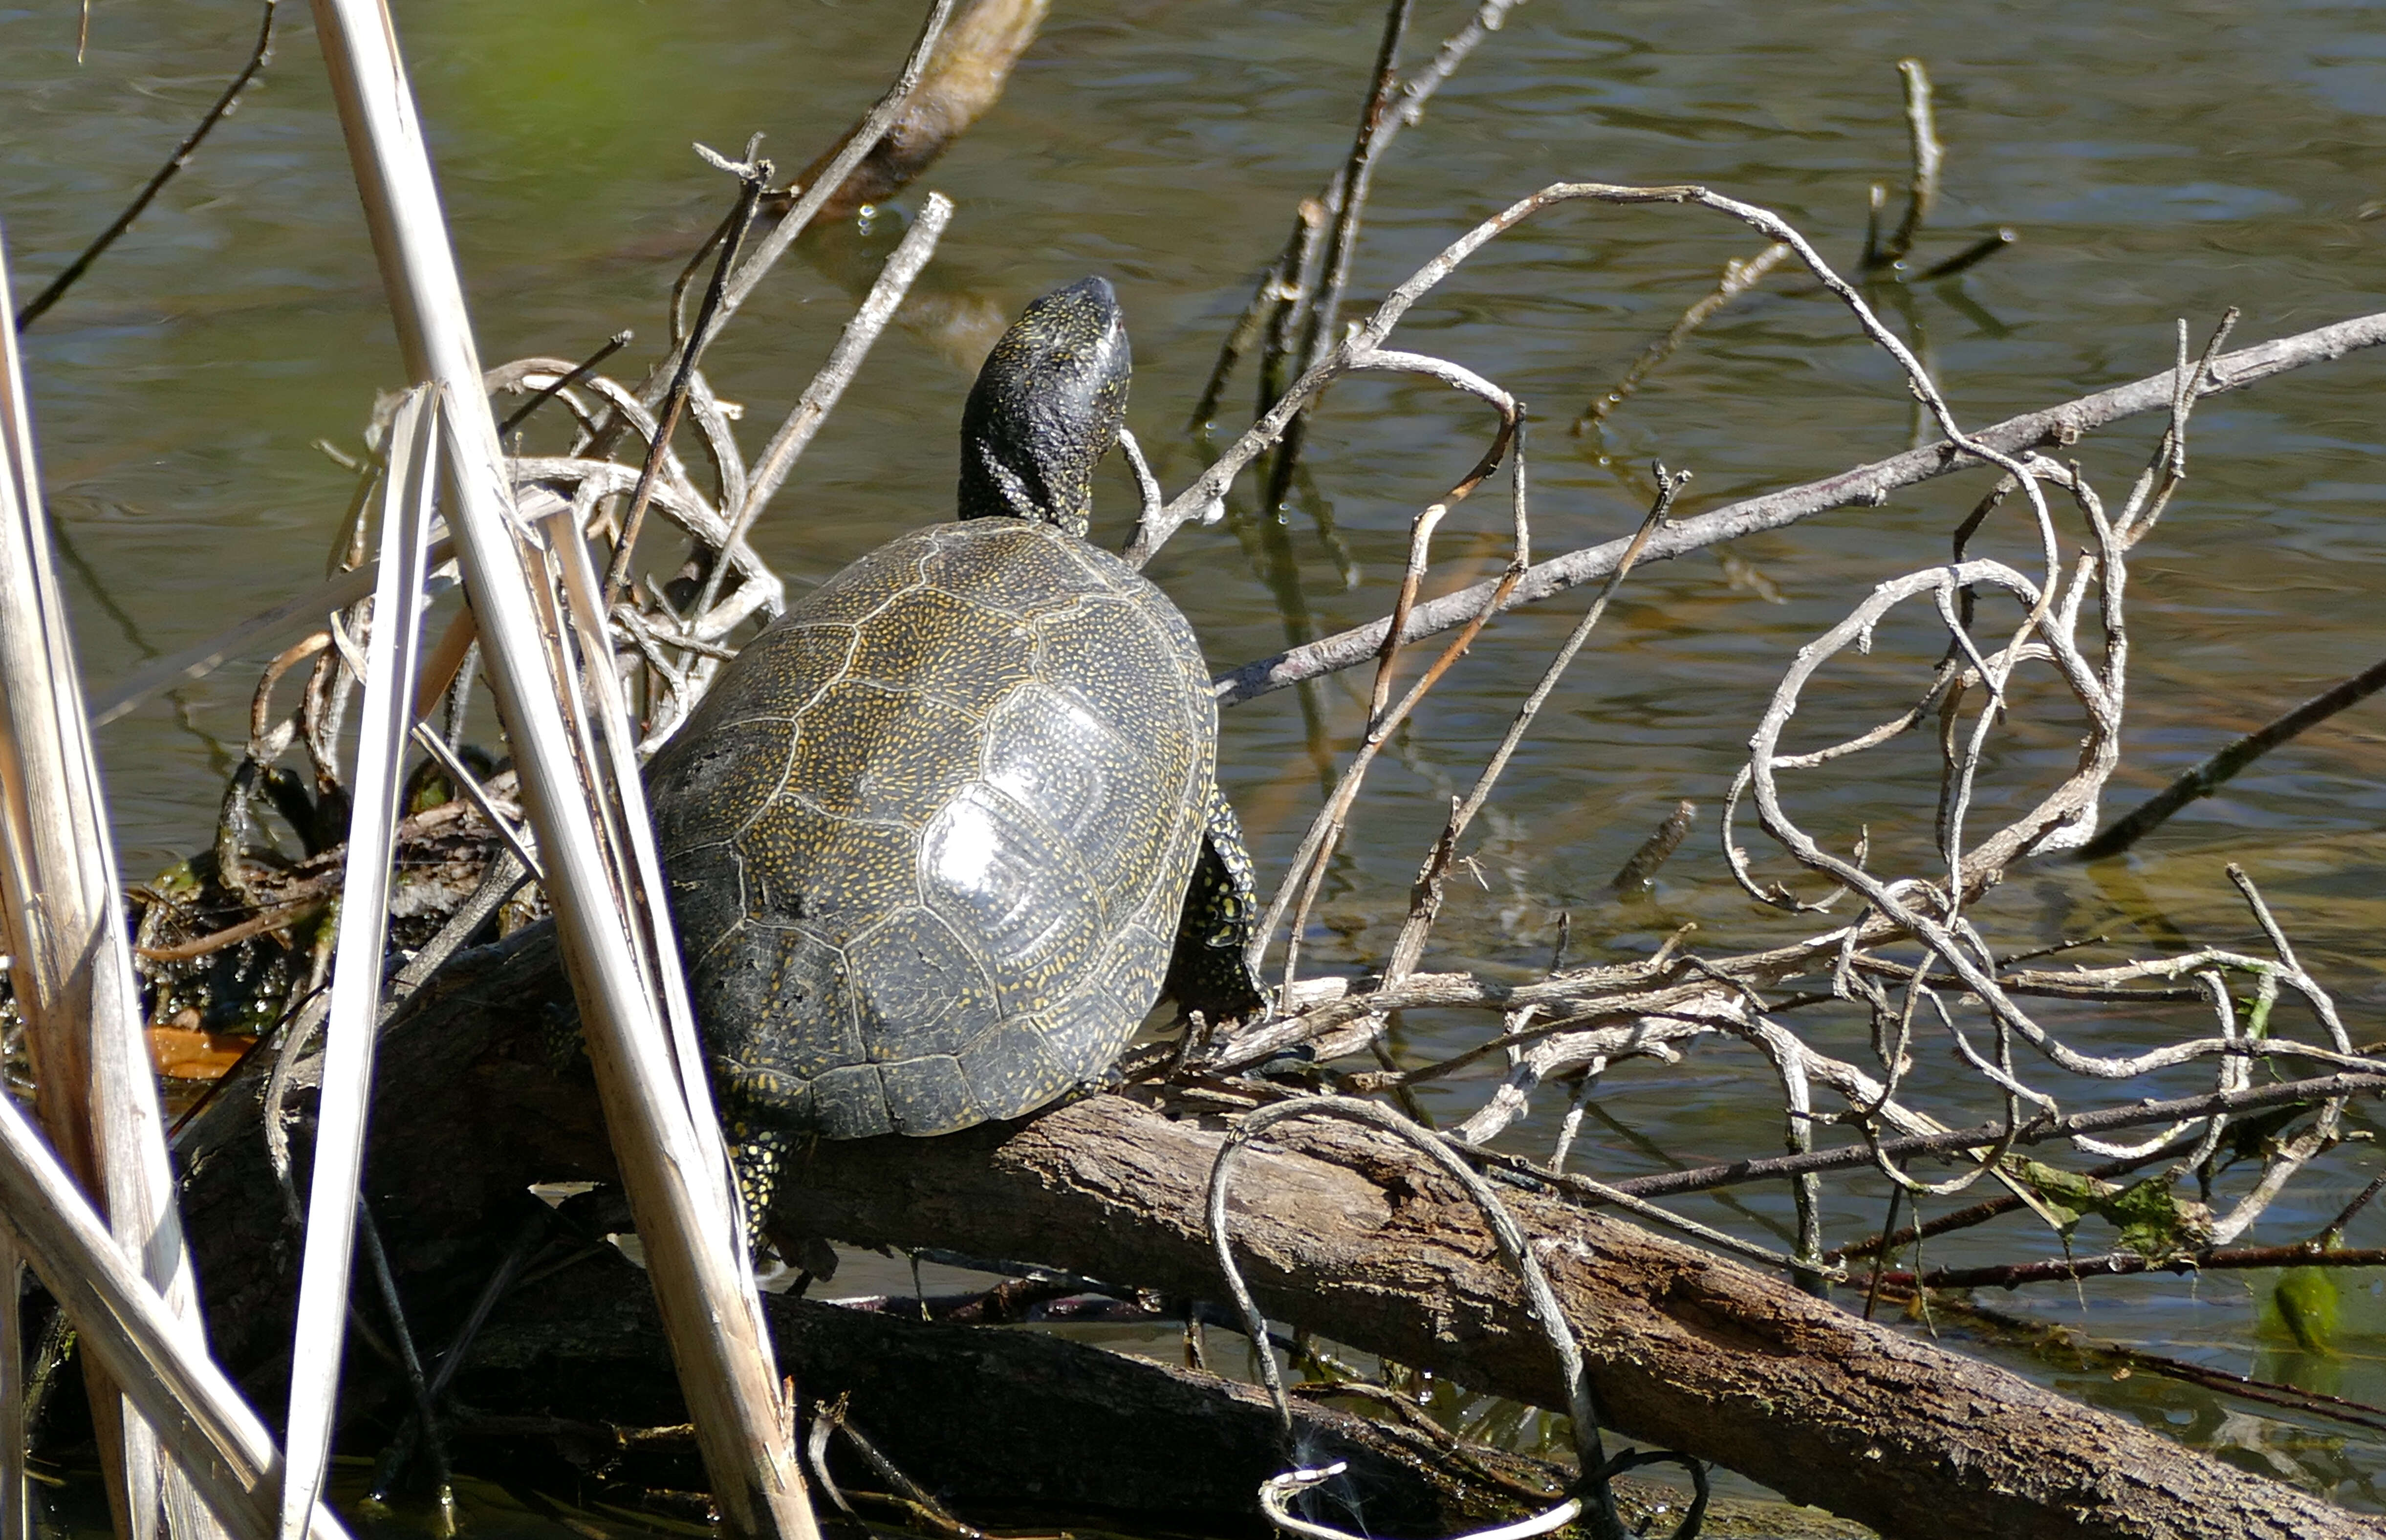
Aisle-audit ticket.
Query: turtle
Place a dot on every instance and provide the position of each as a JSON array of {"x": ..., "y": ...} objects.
[{"x": 939, "y": 837}]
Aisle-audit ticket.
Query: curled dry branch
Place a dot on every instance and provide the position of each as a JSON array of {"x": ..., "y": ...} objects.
[
  {"x": 2067, "y": 616},
  {"x": 1583, "y": 1411},
  {"x": 1366, "y": 341}
]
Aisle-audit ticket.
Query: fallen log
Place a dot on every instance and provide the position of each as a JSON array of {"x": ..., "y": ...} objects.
[{"x": 1341, "y": 1230}]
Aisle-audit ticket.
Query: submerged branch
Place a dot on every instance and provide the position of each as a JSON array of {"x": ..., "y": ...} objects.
[{"x": 2212, "y": 773}]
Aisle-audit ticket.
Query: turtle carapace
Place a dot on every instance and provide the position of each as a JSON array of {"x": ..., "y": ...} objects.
[{"x": 931, "y": 835}]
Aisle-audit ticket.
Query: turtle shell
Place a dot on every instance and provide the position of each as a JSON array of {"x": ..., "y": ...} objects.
[{"x": 928, "y": 836}]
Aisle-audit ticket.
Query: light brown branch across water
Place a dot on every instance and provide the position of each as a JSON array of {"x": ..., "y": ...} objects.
[{"x": 1863, "y": 486}]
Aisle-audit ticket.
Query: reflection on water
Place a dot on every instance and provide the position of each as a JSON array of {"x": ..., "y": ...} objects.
[
  {"x": 76, "y": 1509},
  {"x": 179, "y": 389}
]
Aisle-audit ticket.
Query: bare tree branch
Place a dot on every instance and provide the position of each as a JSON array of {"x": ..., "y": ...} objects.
[{"x": 1863, "y": 486}]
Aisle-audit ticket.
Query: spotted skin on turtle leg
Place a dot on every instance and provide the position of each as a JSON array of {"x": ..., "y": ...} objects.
[
  {"x": 1207, "y": 972},
  {"x": 757, "y": 1158}
]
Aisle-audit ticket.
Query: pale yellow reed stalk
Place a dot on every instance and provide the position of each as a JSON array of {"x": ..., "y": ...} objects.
[
  {"x": 73, "y": 963},
  {"x": 615, "y": 949}
]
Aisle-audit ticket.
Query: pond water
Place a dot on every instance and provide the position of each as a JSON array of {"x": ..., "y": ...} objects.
[{"x": 2158, "y": 161}]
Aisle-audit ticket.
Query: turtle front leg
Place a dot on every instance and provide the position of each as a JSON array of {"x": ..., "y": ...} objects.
[{"x": 1208, "y": 970}]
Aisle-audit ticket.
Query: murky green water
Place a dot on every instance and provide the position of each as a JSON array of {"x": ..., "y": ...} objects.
[{"x": 2159, "y": 161}]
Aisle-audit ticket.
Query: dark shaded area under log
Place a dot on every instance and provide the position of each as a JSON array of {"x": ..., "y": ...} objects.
[{"x": 996, "y": 1423}]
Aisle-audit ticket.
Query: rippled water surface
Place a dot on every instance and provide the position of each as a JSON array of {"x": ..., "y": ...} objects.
[{"x": 2159, "y": 161}]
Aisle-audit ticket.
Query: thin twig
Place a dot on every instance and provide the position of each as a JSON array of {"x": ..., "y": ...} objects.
[
  {"x": 563, "y": 383},
  {"x": 2121, "y": 1264},
  {"x": 1739, "y": 276},
  {"x": 753, "y": 176},
  {"x": 1970, "y": 256},
  {"x": 1323, "y": 306},
  {"x": 1424, "y": 900},
  {"x": 259, "y": 56},
  {"x": 231, "y": 936},
  {"x": 203, "y": 658},
  {"x": 1310, "y": 863},
  {"x": 827, "y": 387},
  {"x": 872, "y": 129},
  {"x": 1146, "y": 485},
  {"x": 1281, "y": 285},
  {"x": 1922, "y": 190},
  {"x": 918, "y": 1496},
  {"x": 1880, "y": 1259},
  {"x": 1365, "y": 341},
  {"x": 2036, "y": 1131},
  {"x": 402, "y": 1337},
  {"x": 460, "y": 776},
  {"x": 2067, "y": 1341},
  {"x": 1641, "y": 867}
]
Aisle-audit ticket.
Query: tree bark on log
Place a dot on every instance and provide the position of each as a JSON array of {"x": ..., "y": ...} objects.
[{"x": 1340, "y": 1230}]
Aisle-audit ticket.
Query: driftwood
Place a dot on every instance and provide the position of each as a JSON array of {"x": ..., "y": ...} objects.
[{"x": 1342, "y": 1232}]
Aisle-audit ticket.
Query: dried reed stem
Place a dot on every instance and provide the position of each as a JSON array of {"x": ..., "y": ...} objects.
[
  {"x": 388, "y": 672},
  {"x": 72, "y": 971},
  {"x": 139, "y": 1343},
  {"x": 680, "y": 1197}
]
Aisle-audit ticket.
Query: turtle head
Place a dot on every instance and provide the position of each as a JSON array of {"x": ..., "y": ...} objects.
[{"x": 1045, "y": 409}]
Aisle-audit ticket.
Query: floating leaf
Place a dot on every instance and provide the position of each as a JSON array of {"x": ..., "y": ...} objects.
[{"x": 187, "y": 1053}]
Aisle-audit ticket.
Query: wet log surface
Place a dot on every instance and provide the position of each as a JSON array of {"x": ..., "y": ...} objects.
[{"x": 1340, "y": 1231}]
